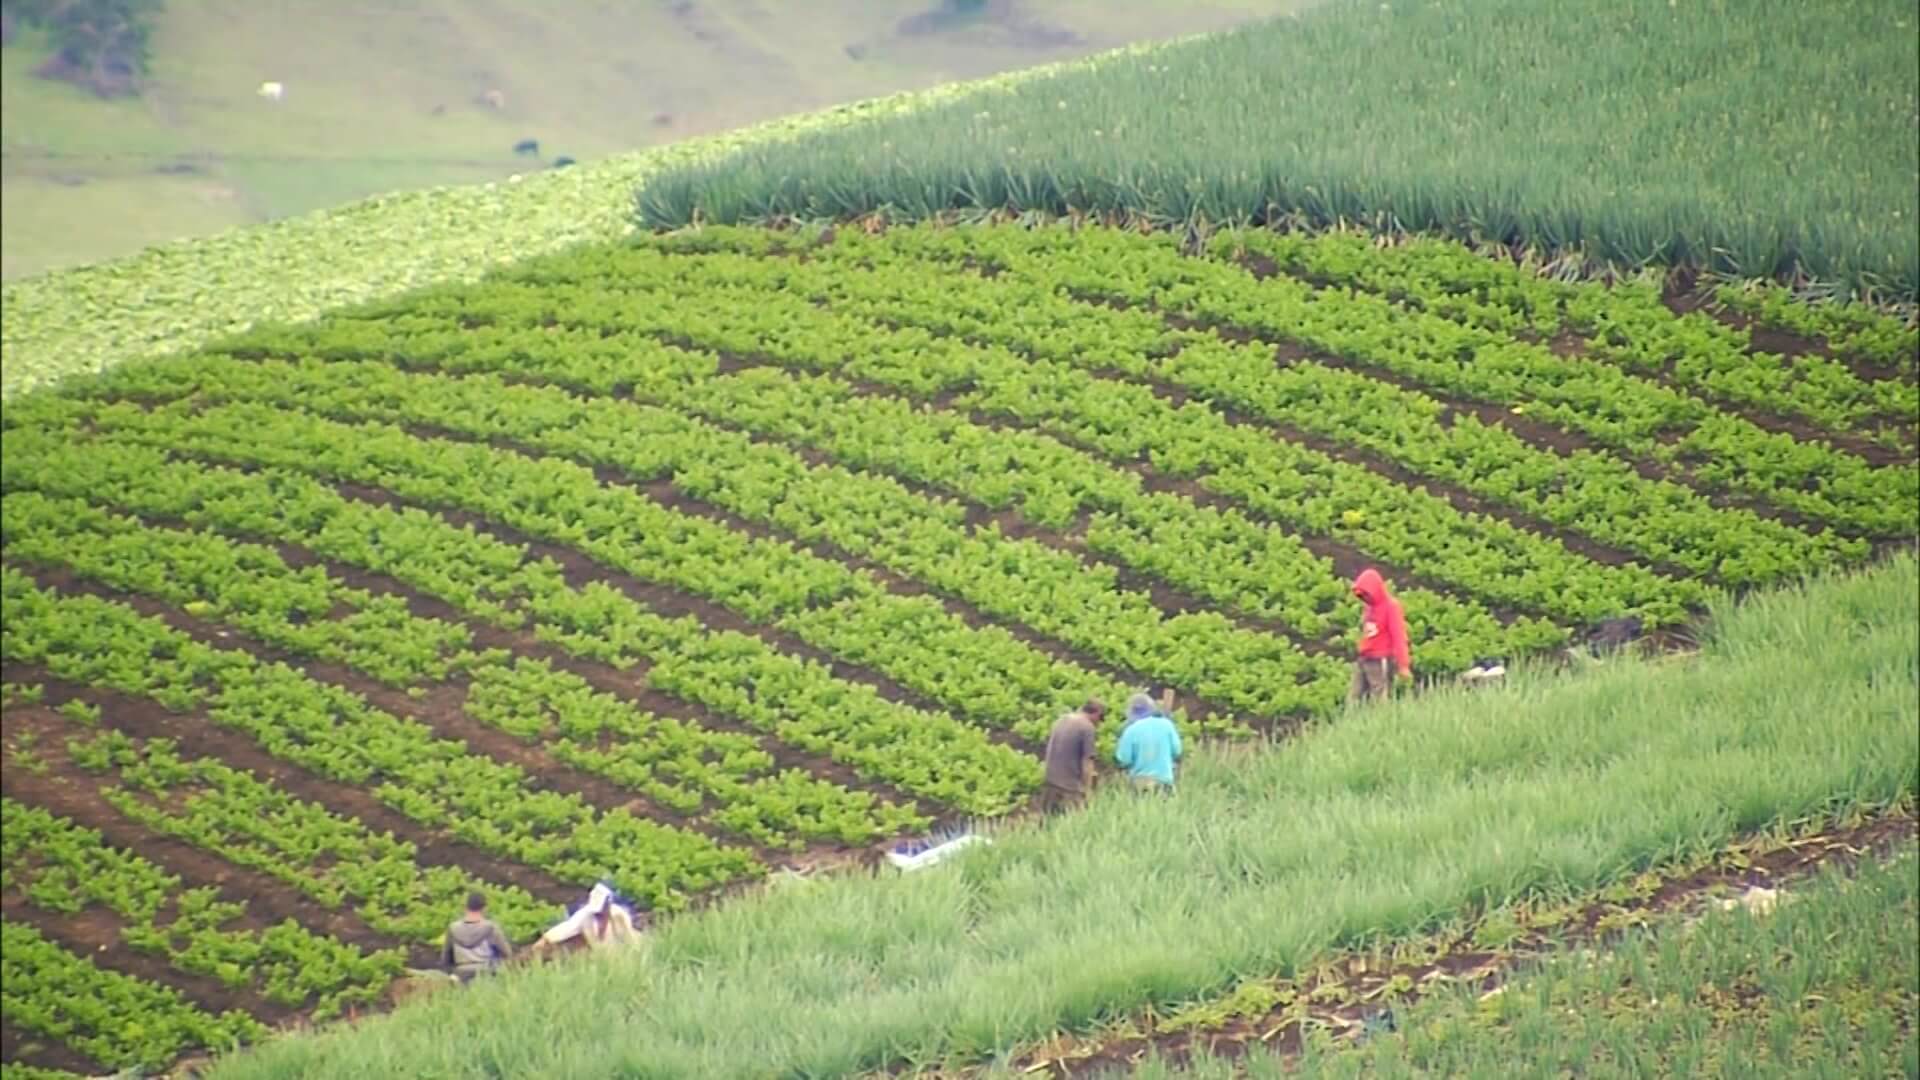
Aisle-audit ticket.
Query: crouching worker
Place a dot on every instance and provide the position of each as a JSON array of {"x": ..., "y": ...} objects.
[
  {"x": 1069, "y": 758},
  {"x": 1149, "y": 745},
  {"x": 602, "y": 920},
  {"x": 1383, "y": 640},
  {"x": 475, "y": 946}
]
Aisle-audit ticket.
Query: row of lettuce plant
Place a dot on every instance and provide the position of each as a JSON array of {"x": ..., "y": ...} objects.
[
  {"x": 64, "y": 868},
  {"x": 830, "y": 605},
  {"x": 51, "y": 992},
  {"x": 1407, "y": 427},
  {"x": 678, "y": 765},
  {"x": 1721, "y": 451},
  {"x": 1248, "y": 458},
  {"x": 335, "y": 860},
  {"x": 1286, "y": 482},
  {"x": 1627, "y": 323},
  {"x": 1217, "y": 555},
  {"x": 799, "y": 701},
  {"x": 1714, "y": 450},
  {"x": 1020, "y": 580},
  {"x": 336, "y": 735}
]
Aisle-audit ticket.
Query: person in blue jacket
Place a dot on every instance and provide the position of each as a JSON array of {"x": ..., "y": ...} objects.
[{"x": 1149, "y": 745}]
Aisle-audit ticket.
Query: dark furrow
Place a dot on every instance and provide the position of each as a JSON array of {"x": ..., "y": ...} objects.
[
  {"x": 94, "y": 932},
  {"x": 1347, "y": 560},
  {"x": 45, "y": 1052},
  {"x": 579, "y": 570},
  {"x": 196, "y": 736},
  {"x": 1573, "y": 345},
  {"x": 629, "y": 685},
  {"x": 76, "y": 794},
  {"x": 1461, "y": 499},
  {"x": 1168, "y": 599},
  {"x": 668, "y": 495},
  {"x": 1458, "y": 497},
  {"x": 442, "y": 710},
  {"x": 1540, "y": 435}
]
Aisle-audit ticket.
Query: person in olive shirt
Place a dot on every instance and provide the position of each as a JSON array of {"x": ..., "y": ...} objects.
[
  {"x": 1069, "y": 758},
  {"x": 475, "y": 946}
]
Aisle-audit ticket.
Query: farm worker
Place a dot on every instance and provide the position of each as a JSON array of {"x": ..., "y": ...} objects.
[
  {"x": 1069, "y": 758},
  {"x": 475, "y": 946},
  {"x": 1383, "y": 638},
  {"x": 602, "y": 920},
  {"x": 1149, "y": 745}
]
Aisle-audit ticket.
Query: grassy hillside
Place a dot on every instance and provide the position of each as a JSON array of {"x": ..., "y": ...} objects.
[
  {"x": 690, "y": 561},
  {"x": 1757, "y": 139},
  {"x": 1374, "y": 829},
  {"x": 383, "y": 97},
  {"x": 685, "y": 560},
  {"x": 1824, "y": 984}
]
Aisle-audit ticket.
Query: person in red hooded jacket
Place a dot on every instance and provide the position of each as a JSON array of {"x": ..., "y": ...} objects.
[{"x": 1383, "y": 639}]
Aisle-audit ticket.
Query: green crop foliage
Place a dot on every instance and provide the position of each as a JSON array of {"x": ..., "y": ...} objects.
[
  {"x": 1372, "y": 830},
  {"x": 1758, "y": 139}
]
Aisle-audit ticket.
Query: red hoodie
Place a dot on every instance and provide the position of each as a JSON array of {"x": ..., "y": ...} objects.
[{"x": 1383, "y": 630}]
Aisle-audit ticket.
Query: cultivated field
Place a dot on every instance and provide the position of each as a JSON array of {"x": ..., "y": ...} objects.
[
  {"x": 714, "y": 562},
  {"x": 684, "y": 560},
  {"x": 1778, "y": 142}
]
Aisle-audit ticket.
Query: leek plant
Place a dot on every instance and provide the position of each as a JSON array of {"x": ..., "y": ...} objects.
[
  {"x": 1825, "y": 985},
  {"x": 1762, "y": 138}
]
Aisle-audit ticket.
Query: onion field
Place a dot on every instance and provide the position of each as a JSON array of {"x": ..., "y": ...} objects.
[{"x": 683, "y": 561}]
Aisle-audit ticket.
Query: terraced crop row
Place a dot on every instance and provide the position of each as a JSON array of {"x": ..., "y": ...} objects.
[{"x": 680, "y": 561}]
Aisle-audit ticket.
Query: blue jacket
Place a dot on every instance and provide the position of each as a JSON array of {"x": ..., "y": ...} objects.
[{"x": 1148, "y": 747}]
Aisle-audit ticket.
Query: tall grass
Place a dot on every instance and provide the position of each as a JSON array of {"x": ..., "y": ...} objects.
[
  {"x": 1826, "y": 985},
  {"x": 1384, "y": 822},
  {"x": 1763, "y": 137}
]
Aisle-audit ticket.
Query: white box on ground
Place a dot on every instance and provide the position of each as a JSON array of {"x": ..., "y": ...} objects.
[{"x": 932, "y": 855}]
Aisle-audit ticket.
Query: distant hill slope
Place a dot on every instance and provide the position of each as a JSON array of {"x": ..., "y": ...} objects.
[{"x": 382, "y": 97}]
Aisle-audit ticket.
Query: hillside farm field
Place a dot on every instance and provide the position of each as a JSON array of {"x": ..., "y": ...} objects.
[{"x": 681, "y": 561}]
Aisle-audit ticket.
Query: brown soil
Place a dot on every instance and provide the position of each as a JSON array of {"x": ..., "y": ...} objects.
[
  {"x": 442, "y": 710},
  {"x": 580, "y": 569},
  {"x": 628, "y": 684},
  {"x": 1279, "y": 1032},
  {"x": 1072, "y": 539},
  {"x": 1564, "y": 442},
  {"x": 1347, "y": 560},
  {"x": 1569, "y": 345},
  {"x": 198, "y": 736},
  {"x": 979, "y": 517},
  {"x": 1682, "y": 296},
  {"x": 71, "y": 792},
  {"x": 665, "y": 493},
  {"x": 1459, "y": 498},
  {"x": 94, "y": 932},
  {"x": 18, "y": 1047}
]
